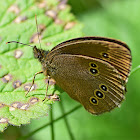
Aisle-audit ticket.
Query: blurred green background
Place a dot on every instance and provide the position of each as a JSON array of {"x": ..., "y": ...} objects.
[{"x": 118, "y": 19}]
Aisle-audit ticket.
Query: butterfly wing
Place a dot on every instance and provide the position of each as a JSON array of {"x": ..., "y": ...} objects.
[
  {"x": 96, "y": 84},
  {"x": 112, "y": 51}
]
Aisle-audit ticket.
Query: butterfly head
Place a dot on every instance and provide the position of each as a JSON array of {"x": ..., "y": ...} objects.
[{"x": 40, "y": 54}]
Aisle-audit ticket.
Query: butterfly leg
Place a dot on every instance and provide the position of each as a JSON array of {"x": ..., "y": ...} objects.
[
  {"x": 51, "y": 96},
  {"x": 33, "y": 82},
  {"x": 47, "y": 89}
]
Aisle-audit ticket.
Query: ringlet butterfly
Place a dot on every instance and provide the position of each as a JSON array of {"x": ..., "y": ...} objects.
[{"x": 92, "y": 70}]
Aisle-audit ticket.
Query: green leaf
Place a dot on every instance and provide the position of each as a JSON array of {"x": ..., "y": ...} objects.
[{"x": 17, "y": 62}]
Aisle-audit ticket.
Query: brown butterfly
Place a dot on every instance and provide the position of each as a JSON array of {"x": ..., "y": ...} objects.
[{"x": 92, "y": 70}]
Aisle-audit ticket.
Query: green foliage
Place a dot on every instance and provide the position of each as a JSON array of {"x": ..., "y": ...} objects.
[
  {"x": 17, "y": 63},
  {"x": 115, "y": 18}
]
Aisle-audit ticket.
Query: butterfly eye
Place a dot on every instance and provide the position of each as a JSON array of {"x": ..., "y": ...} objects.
[
  {"x": 91, "y": 64},
  {"x": 99, "y": 94},
  {"x": 105, "y": 55},
  {"x": 103, "y": 87},
  {"x": 94, "y": 100},
  {"x": 94, "y": 71}
]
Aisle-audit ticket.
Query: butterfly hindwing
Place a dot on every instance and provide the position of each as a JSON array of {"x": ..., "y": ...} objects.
[{"x": 96, "y": 84}]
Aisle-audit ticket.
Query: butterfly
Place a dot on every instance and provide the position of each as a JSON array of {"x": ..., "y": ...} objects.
[{"x": 92, "y": 70}]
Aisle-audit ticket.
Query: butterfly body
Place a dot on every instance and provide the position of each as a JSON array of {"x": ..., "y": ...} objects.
[{"x": 92, "y": 70}]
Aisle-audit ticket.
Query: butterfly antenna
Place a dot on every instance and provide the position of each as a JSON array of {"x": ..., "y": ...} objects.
[
  {"x": 37, "y": 30},
  {"x": 19, "y": 43}
]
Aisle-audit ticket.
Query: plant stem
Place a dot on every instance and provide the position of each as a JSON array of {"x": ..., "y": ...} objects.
[
  {"x": 52, "y": 126},
  {"x": 135, "y": 69},
  {"x": 66, "y": 121}
]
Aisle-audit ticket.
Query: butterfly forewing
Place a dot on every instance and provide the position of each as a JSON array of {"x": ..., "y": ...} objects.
[{"x": 112, "y": 51}]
